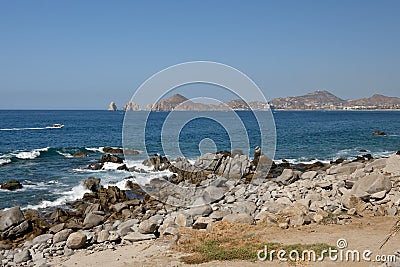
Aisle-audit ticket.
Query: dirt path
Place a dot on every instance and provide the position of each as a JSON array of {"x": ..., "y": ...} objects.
[{"x": 361, "y": 234}]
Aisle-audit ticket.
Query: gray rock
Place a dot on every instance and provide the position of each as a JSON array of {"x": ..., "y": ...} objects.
[
  {"x": 10, "y": 218},
  {"x": 147, "y": 227},
  {"x": 239, "y": 218},
  {"x": 103, "y": 236},
  {"x": 22, "y": 256},
  {"x": 263, "y": 164},
  {"x": 371, "y": 184},
  {"x": 15, "y": 231},
  {"x": 92, "y": 220},
  {"x": 247, "y": 207},
  {"x": 284, "y": 201},
  {"x": 266, "y": 217},
  {"x": 324, "y": 184},
  {"x": 68, "y": 252},
  {"x": 91, "y": 208},
  {"x": 213, "y": 193},
  {"x": 42, "y": 239},
  {"x": 171, "y": 230},
  {"x": 202, "y": 222},
  {"x": 219, "y": 214},
  {"x": 379, "y": 195},
  {"x": 200, "y": 210},
  {"x": 288, "y": 176},
  {"x": 119, "y": 206},
  {"x": 158, "y": 219},
  {"x": 62, "y": 235},
  {"x": 134, "y": 237},
  {"x": 393, "y": 165},
  {"x": 376, "y": 164},
  {"x": 348, "y": 168},
  {"x": 184, "y": 219},
  {"x": 76, "y": 240},
  {"x": 56, "y": 228},
  {"x": 391, "y": 211},
  {"x": 114, "y": 236},
  {"x": 125, "y": 227},
  {"x": 309, "y": 175}
]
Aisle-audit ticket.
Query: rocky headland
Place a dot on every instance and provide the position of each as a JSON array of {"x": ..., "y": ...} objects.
[{"x": 225, "y": 186}]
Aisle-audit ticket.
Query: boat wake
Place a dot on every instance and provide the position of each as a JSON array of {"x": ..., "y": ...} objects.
[{"x": 24, "y": 129}]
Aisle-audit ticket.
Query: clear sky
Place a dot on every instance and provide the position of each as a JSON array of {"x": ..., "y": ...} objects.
[{"x": 83, "y": 54}]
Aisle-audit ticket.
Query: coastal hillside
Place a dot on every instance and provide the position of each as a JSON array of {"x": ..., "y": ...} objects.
[
  {"x": 317, "y": 100},
  {"x": 376, "y": 101},
  {"x": 169, "y": 103}
]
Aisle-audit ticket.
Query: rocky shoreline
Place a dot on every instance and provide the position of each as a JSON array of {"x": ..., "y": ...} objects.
[{"x": 226, "y": 186}]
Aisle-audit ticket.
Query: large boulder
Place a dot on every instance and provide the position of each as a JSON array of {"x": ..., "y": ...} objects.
[
  {"x": 62, "y": 235},
  {"x": 344, "y": 169},
  {"x": 202, "y": 211},
  {"x": 76, "y": 240},
  {"x": 263, "y": 165},
  {"x": 11, "y": 217},
  {"x": 92, "y": 184},
  {"x": 393, "y": 165},
  {"x": 234, "y": 168},
  {"x": 92, "y": 220},
  {"x": 371, "y": 184},
  {"x": 22, "y": 256},
  {"x": 42, "y": 239},
  {"x": 147, "y": 227},
  {"x": 13, "y": 223},
  {"x": 11, "y": 185},
  {"x": 288, "y": 176},
  {"x": 111, "y": 158}
]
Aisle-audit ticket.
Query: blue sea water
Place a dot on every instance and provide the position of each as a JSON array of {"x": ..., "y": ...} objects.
[{"x": 41, "y": 158}]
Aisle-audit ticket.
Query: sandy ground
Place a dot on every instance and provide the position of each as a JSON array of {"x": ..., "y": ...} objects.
[{"x": 361, "y": 234}]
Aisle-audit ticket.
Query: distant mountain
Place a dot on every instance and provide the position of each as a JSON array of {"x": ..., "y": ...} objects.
[
  {"x": 169, "y": 103},
  {"x": 315, "y": 100},
  {"x": 326, "y": 101},
  {"x": 376, "y": 101}
]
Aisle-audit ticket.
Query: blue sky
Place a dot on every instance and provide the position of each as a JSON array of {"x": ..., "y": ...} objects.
[{"x": 83, "y": 54}]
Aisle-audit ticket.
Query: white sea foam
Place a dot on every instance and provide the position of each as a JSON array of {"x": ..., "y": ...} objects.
[
  {"x": 142, "y": 178},
  {"x": 75, "y": 193},
  {"x": 67, "y": 155},
  {"x": 383, "y": 154},
  {"x": 108, "y": 166},
  {"x": 300, "y": 161},
  {"x": 138, "y": 164},
  {"x": 95, "y": 149},
  {"x": 4, "y": 161},
  {"x": 27, "y": 155}
]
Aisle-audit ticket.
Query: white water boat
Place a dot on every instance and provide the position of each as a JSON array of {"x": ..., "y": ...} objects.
[{"x": 55, "y": 126}]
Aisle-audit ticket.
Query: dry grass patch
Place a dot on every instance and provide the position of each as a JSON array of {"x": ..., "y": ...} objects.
[{"x": 232, "y": 241}]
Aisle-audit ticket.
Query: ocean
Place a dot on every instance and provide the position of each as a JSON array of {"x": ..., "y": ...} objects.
[{"x": 42, "y": 158}]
